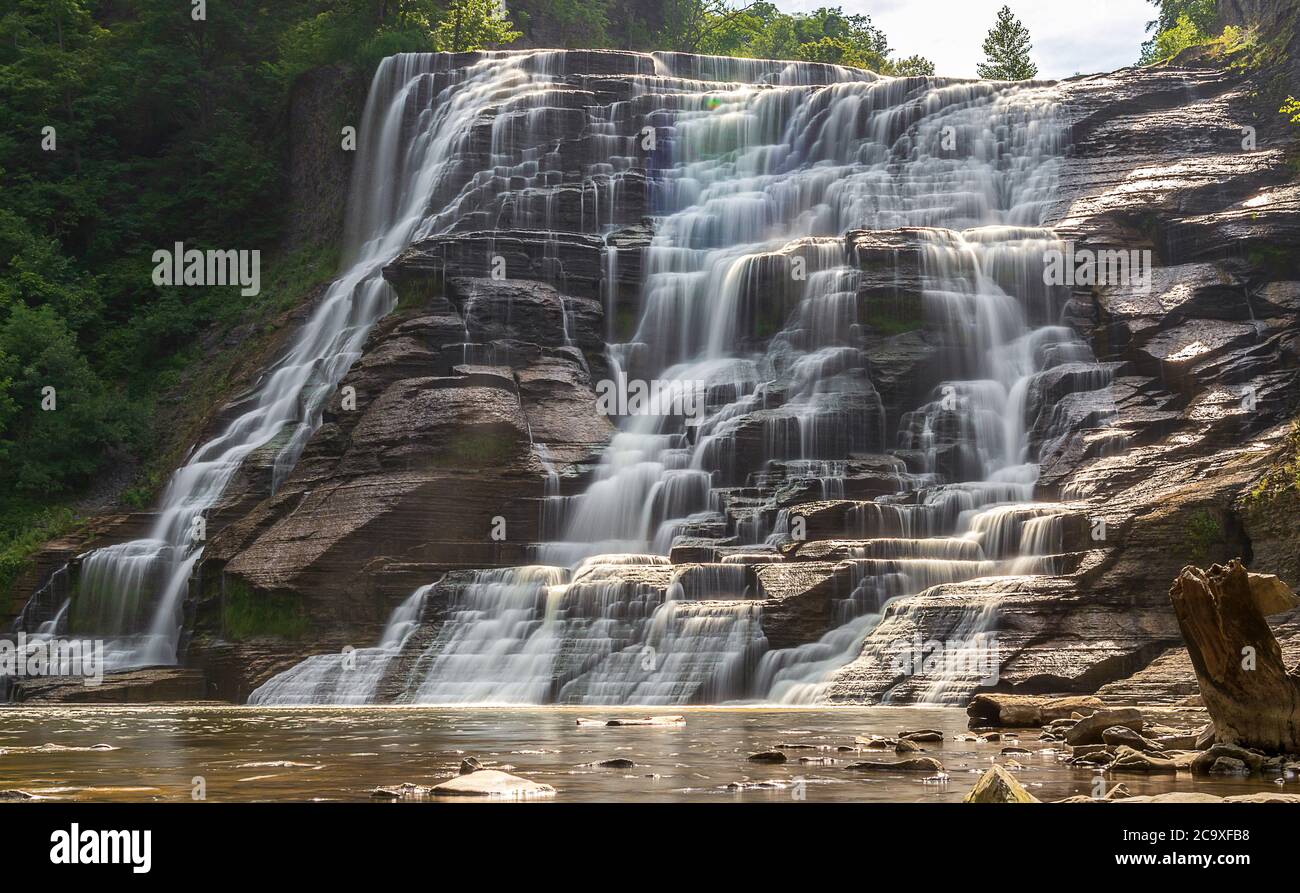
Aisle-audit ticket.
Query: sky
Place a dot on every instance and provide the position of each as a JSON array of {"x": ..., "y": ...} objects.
[{"x": 1069, "y": 36}]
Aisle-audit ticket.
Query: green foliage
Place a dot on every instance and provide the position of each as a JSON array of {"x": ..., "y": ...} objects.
[
  {"x": 472, "y": 24},
  {"x": 913, "y": 66},
  {"x": 1291, "y": 108},
  {"x": 246, "y": 614},
  {"x": 1178, "y": 25},
  {"x": 1185, "y": 33},
  {"x": 23, "y": 531},
  {"x": 1006, "y": 50},
  {"x": 761, "y": 31},
  {"x": 1203, "y": 533},
  {"x": 1282, "y": 478}
]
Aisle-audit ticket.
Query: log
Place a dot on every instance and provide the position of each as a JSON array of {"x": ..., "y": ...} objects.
[{"x": 1253, "y": 699}]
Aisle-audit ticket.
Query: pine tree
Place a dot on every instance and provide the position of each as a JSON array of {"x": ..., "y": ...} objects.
[{"x": 1007, "y": 50}]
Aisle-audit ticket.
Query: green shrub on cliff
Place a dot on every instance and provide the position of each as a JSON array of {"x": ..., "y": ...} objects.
[
  {"x": 1204, "y": 532},
  {"x": 1282, "y": 477},
  {"x": 246, "y": 614},
  {"x": 1291, "y": 108}
]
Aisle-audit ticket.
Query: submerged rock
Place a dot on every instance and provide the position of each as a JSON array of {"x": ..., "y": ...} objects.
[
  {"x": 767, "y": 756},
  {"x": 641, "y": 721}
]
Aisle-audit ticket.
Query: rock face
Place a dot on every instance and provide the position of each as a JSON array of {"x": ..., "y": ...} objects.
[
  {"x": 1251, "y": 696},
  {"x": 463, "y": 407},
  {"x": 1203, "y": 382}
]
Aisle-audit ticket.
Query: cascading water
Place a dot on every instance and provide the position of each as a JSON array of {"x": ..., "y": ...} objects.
[
  {"x": 407, "y": 184},
  {"x": 752, "y": 293}
]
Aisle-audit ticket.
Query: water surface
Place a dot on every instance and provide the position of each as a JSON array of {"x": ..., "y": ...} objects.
[{"x": 342, "y": 753}]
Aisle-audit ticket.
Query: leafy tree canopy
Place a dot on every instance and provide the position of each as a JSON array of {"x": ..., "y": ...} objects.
[{"x": 1006, "y": 50}]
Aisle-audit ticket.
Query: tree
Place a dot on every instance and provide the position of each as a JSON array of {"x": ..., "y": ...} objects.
[
  {"x": 1178, "y": 24},
  {"x": 1007, "y": 50},
  {"x": 472, "y": 25},
  {"x": 913, "y": 66}
]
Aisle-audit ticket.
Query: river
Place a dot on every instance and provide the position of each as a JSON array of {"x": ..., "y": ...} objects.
[{"x": 160, "y": 753}]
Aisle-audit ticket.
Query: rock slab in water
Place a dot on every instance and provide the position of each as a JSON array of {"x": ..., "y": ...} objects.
[
  {"x": 1024, "y": 711},
  {"x": 997, "y": 785},
  {"x": 767, "y": 756},
  {"x": 640, "y": 721},
  {"x": 914, "y": 764},
  {"x": 492, "y": 783},
  {"x": 1251, "y": 696}
]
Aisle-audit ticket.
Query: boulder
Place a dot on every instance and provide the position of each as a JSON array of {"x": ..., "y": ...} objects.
[
  {"x": 1204, "y": 762},
  {"x": 767, "y": 756},
  {"x": 1129, "y": 760},
  {"x": 997, "y": 785},
  {"x": 1117, "y": 735},
  {"x": 1023, "y": 711},
  {"x": 922, "y": 735},
  {"x": 491, "y": 783},
  {"x": 1090, "y": 729}
]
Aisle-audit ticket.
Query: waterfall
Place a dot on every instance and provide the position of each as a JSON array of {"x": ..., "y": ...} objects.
[
  {"x": 349, "y": 677},
  {"x": 752, "y": 290},
  {"x": 407, "y": 184}
]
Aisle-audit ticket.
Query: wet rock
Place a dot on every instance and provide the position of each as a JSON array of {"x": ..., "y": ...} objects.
[
  {"x": 915, "y": 764},
  {"x": 491, "y": 783},
  {"x": 468, "y": 765},
  {"x": 405, "y": 791},
  {"x": 767, "y": 756},
  {"x": 1089, "y": 729},
  {"x": 1174, "y": 797},
  {"x": 1014, "y": 750},
  {"x": 1102, "y": 757},
  {"x": 1263, "y": 797},
  {"x": 1129, "y": 760},
  {"x": 922, "y": 735},
  {"x": 616, "y": 763},
  {"x": 905, "y": 745},
  {"x": 1117, "y": 735},
  {"x": 637, "y": 721},
  {"x": 13, "y": 795},
  {"x": 997, "y": 785},
  {"x": 1204, "y": 762}
]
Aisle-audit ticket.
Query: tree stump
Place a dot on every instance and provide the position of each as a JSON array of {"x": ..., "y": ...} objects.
[{"x": 1252, "y": 698}]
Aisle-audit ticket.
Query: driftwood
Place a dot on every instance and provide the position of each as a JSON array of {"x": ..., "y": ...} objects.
[{"x": 1251, "y": 696}]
